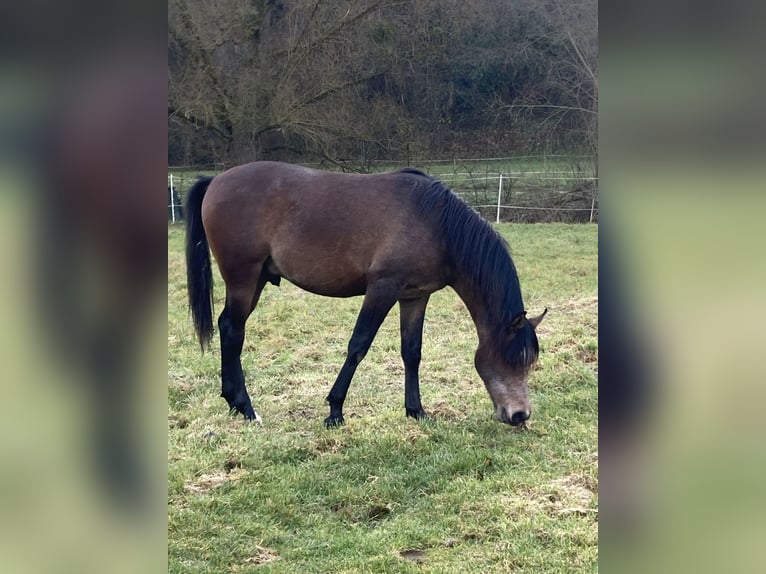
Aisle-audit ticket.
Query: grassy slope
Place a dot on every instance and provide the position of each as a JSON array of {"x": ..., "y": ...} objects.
[{"x": 385, "y": 493}]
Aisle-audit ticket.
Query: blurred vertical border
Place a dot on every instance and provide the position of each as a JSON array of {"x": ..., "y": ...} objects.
[
  {"x": 83, "y": 155},
  {"x": 683, "y": 278}
]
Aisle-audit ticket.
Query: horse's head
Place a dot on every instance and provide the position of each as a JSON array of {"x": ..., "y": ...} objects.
[{"x": 504, "y": 367}]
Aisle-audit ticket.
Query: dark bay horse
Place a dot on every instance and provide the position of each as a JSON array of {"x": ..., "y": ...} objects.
[{"x": 392, "y": 237}]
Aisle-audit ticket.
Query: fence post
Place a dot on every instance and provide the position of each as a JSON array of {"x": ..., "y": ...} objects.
[
  {"x": 592, "y": 206},
  {"x": 499, "y": 196},
  {"x": 172, "y": 200}
]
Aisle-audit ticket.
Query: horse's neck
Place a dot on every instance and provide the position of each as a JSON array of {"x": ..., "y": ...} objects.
[{"x": 477, "y": 306}]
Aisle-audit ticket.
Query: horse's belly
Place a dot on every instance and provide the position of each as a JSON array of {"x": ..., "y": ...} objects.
[
  {"x": 345, "y": 270},
  {"x": 327, "y": 278},
  {"x": 331, "y": 289}
]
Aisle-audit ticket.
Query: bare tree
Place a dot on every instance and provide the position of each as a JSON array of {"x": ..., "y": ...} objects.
[
  {"x": 562, "y": 106},
  {"x": 367, "y": 79},
  {"x": 273, "y": 75}
]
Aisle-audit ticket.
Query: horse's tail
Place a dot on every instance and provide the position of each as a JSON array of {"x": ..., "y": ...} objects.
[{"x": 199, "y": 275}]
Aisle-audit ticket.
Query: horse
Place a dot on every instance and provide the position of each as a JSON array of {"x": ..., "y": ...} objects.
[{"x": 390, "y": 237}]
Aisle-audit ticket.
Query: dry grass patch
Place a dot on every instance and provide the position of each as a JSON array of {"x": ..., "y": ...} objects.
[
  {"x": 262, "y": 555},
  {"x": 571, "y": 494},
  {"x": 208, "y": 482},
  {"x": 441, "y": 410}
]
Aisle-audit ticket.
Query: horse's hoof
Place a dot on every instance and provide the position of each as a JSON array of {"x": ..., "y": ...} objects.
[
  {"x": 419, "y": 415},
  {"x": 247, "y": 412},
  {"x": 334, "y": 422},
  {"x": 252, "y": 416}
]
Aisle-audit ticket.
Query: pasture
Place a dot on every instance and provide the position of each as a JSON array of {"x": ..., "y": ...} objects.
[{"x": 384, "y": 493}]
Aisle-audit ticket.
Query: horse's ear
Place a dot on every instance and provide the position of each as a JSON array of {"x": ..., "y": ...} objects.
[
  {"x": 535, "y": 321},
  {"x": 517, "y": 322}
]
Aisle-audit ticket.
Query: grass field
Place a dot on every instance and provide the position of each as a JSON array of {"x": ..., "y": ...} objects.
[{"x": 462, "y": 493}]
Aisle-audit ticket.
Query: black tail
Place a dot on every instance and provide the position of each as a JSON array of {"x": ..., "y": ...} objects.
[{"x": 199, "y": 275}]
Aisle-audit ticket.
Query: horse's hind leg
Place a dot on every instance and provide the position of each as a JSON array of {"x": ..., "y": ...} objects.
[{"x": 240, "y": 302}]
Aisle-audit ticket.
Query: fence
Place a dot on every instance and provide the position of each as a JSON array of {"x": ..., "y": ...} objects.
[
  {"x": 522, "y": 189},
  {"x": 529, "y": 197}
]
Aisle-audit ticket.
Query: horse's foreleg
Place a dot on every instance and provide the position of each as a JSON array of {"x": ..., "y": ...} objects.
[
  {"x": 378, "y": 300},
  {"x": 231, "y": 325},
  {"x": 412, "y": 313}
]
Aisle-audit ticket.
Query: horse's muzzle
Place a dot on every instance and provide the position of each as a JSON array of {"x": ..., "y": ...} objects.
[{"x": 516, "y": 418}]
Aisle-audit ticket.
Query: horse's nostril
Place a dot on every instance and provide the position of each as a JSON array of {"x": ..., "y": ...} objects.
[{"x": 519, "y": 417}]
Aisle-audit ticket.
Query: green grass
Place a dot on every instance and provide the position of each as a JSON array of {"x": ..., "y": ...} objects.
[{"x": 463, "y": 493}]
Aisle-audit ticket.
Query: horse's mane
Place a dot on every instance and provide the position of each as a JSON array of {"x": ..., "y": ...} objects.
[
  {"x": 481, "y": 254},
  {"x": 415, "y": 171}
]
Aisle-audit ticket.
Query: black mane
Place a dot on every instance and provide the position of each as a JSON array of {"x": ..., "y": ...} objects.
[
  {"x": 481, "y": 254},
  {"x": 415, "y": 171}
]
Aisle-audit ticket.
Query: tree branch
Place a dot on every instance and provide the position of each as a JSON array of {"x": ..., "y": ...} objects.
[
  {"x": 568, "y": 108},
  {"x": 190, "y": 118}
]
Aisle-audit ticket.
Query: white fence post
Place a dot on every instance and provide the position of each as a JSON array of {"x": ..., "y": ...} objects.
[
  {"x": 172, "y": 200},
  {"x": 499, "y": 196}
]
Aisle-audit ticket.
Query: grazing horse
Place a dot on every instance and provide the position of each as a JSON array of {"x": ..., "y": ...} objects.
[{"x": 392, "y": 237}]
